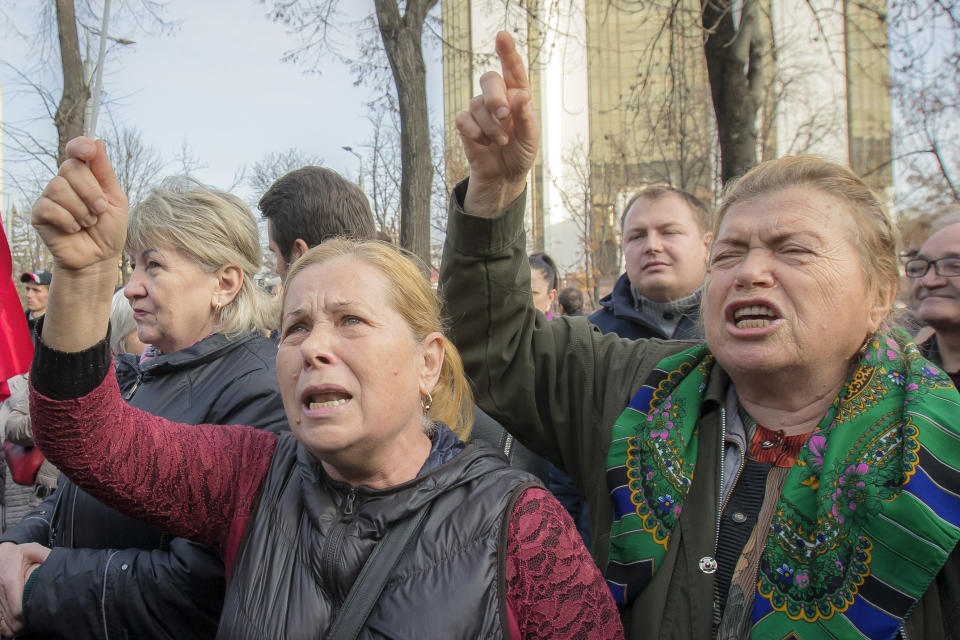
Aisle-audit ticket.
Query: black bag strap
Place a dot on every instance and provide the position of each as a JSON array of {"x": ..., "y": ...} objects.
[{"x": 373, "y": 577}]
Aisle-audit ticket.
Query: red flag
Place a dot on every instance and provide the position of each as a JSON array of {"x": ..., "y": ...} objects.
[{"x": 16, "y": 348}]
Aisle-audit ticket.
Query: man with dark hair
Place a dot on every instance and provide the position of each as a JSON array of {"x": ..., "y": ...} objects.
[
  {"x": 666, "y": 243},
  {"x": 37, "y": 287},
  {"x": 309, "y": 205},
  {"x": 571, "y": 302}
]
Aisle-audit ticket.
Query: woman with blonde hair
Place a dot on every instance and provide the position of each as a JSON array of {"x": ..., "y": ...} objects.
[
  {"x": 194, "y": 251},
  {"x": 371, "y": 518}
]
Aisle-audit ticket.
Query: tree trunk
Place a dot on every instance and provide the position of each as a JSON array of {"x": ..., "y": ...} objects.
[
  {"x": 73, "y": 102},
  {"x": 402, "y": 41},
  {"x": 735, "y": 68}
]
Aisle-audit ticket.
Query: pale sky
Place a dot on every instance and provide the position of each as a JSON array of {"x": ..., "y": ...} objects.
[{"x": 217, "y": 82}]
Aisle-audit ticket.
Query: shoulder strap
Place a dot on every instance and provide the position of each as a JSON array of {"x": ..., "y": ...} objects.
[{"x": 373, "y": 577}]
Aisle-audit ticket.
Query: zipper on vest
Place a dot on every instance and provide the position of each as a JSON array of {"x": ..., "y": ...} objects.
[
  {"x": 133, "y": 389},
  {"x": 348, "y": 503},
  {"x": 329, "y": 561}
]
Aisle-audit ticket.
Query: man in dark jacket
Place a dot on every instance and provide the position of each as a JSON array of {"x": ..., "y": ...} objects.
[
  {"x": 666, "y": 242},
  {"x": 37, "y": 287}
]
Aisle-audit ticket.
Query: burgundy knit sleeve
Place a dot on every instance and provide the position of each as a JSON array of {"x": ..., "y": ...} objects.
[
  {"x": 198, "y": 482},
  {"x": 554, "y": 589}
]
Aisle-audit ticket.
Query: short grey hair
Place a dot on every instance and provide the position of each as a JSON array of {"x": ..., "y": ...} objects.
[
  {"x": 215, "y": 229},
  {"x": 121, "y": 323}
]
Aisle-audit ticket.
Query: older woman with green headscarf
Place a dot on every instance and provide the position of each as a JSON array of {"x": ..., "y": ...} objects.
[{"x": 796, "y": 475}]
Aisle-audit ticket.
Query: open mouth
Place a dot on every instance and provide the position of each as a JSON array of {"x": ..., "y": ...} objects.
[
  {"x": 327, "y": 399},
  {"x": 755, "y": 316}
]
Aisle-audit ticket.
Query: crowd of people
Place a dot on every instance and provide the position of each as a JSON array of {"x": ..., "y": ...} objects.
[{"x": 740, "y": 441}]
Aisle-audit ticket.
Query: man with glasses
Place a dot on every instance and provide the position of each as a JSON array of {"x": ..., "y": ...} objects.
[{"x": 935, "y": 287}]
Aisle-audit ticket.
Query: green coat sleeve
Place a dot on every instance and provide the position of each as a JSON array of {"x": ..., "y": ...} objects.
[{"x": 558, "y": 386}]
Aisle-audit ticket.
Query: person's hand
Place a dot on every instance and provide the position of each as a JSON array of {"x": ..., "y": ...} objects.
[
  {"x": 500, "y": 134},
  {"x": 82, "y": 214},
  {"x": 17, "y": 562}
]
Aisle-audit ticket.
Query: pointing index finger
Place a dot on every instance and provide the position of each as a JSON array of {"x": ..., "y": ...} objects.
[{"x": 511, "y": 64}]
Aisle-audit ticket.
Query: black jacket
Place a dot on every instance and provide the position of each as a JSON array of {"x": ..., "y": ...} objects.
[
  {"x": 309, "y": 536},
  {"x": 518, "y": 456},
  {"x": 618, "y": 315},
  {"x": 110, "y": 576}
]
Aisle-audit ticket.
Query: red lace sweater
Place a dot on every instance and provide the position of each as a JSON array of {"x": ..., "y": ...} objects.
[{"x": 201, "y": 483}]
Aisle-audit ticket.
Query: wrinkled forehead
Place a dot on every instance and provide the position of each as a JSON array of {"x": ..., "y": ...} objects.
[
  {"x": 336, "y": 282},
  {"x": 791, "y": 211}
]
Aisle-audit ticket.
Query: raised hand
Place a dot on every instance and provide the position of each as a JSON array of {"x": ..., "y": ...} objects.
[
  {"x": 82, "y": 214},
  {"x": 17, "y": 562},
  {"x": 500, "y": 134}
]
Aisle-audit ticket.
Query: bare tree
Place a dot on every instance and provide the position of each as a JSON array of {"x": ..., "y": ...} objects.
[
  {"x": 73, "y": 101},
  {"x": 589, "y": 198},
  {"x": 57, "y": 79},
  {"x": 138, "y": 165},
  {"x": 274, "y": 165},
  {"x": 925, "y": 37},
  {"x": 397, "y": 32},
  {"x": 384, "y": 167}
]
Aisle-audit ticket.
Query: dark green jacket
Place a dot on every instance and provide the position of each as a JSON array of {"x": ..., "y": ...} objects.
[{"x": 559, "y": 386}]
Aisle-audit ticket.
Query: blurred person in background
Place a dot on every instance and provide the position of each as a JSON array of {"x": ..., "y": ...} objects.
[
  {"x": 123, "y": 327},
  {"x": 309, "y": 205},
  {"x": 544, "y": 281},
  {"x": 570, "y": 300},
  {"x": 934, "y": 272},
  {"x": 36, "y": 285}
]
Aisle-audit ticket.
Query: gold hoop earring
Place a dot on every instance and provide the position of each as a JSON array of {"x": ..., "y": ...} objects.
[{"x": 426, "y": 402}]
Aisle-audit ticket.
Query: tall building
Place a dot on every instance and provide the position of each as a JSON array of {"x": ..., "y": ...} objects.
[{"x": 623, "y": 98}]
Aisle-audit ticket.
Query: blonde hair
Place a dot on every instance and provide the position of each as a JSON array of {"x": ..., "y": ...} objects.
[
  {"x": 215, "y": 229},
  {"x": 411, "y": 296},
  {"x": 876, "y": 239}
]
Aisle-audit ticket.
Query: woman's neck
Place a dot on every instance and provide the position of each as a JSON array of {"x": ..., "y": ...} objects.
[
  {"x": 382, "y": 467},
  {"x": 794, "y": 406}
]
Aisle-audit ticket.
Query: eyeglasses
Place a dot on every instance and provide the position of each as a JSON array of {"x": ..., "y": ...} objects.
[{"x": 945, "y": 267}]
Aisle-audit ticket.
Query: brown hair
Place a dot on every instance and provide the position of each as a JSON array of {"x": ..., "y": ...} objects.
[
  {"x": 411, "y": 296},
  {"x": 702, "y": 215},
  {"x": 315, "y": 203},
  {"x": 875, "y": 236}
]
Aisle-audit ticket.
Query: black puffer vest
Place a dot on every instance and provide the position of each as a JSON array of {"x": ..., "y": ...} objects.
[{"x": 309, "y": 536}]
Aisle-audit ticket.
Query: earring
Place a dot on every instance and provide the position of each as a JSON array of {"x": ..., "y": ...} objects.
[
  {"x": 217, "y": 306},
  {"x": 426, "y": 402}
]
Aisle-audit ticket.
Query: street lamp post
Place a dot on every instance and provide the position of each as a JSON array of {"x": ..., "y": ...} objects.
[{"x": 349, "y": 149}]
